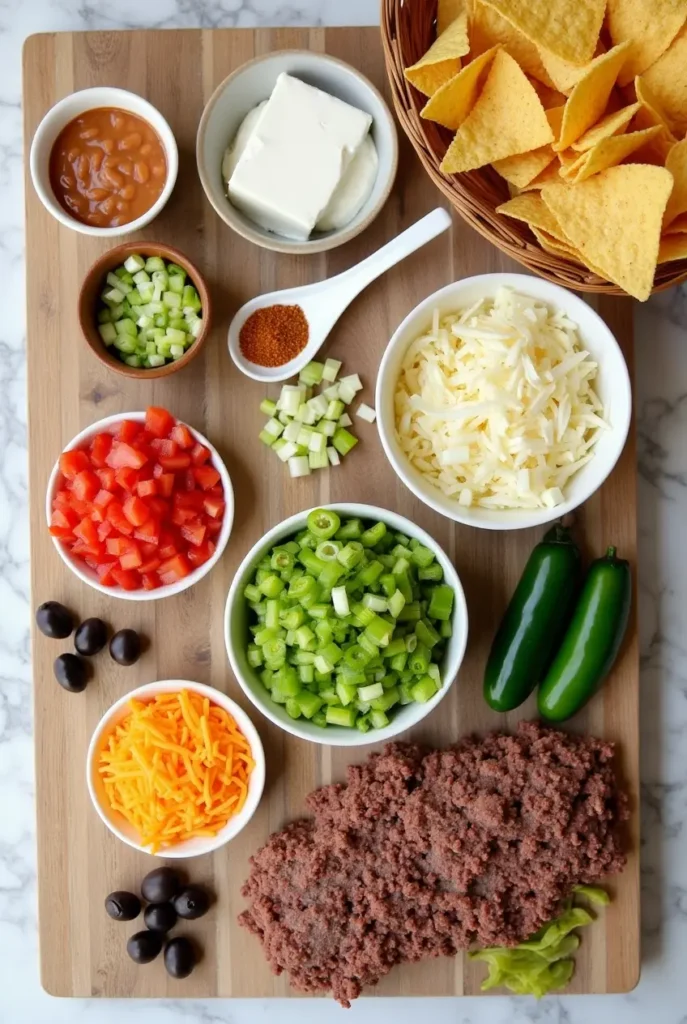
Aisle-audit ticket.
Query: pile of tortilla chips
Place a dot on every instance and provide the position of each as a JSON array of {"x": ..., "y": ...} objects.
[{"x": 581, "y": 106}]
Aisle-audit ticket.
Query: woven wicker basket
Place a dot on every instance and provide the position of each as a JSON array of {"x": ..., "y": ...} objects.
[{"x": 408, "y": 31}]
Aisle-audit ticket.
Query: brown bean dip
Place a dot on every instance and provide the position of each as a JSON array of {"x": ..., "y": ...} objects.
[{"x": 421, "y": 854}]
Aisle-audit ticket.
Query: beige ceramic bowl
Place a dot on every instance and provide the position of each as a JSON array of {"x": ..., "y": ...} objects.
[{"x": 251, "y": 84}]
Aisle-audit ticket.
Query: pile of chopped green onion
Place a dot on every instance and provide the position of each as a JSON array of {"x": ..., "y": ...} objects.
[
  {"x": 349, "y": 620},
  {"x": 149, "y": 315},
  {"x": 307, "y": 430}
]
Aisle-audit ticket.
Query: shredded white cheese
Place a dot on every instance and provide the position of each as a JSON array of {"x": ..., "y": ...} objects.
[{"x": 495, "y": 404}]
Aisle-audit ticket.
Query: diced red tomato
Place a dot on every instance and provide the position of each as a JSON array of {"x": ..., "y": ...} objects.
[
  {"x": 165, "y": 484},
  {"x": 207, "y": 476},
  {"x": 115, "y": 514},
  {"x": 107, "y": 478},
  {"x": 72, "y": 463},
  {"x": 198, "y": 556},
  {"x": 182, "y": 435},
  {"x": 141, "y": 506},
  {"x": 100, "y": 449},
  {"x": 104, "y": 571},
  {"x": 213, "y": 506},
  {"x": 136, "y": 510},
  {"x": 194, "y": 533},
  {"x": 126, "y": 578},
  {"x": 174, "y": 569},
  {"x": 146, "y": 488},
  {"x": 199, "y": 454},
  {"x": 87, "y": 532},
  {"x": 126, "y": 478},
  {"x": 103, "y": 498},
  {"x": 150, "y": 566},
  {"x": 123, "y": 454},
  {"x": 85, "y": 485},
  {"x": 128, "y": 431},
  {"x": 149, "y": 532},
  {"x": 173, "y": 462},
  {"x": 159, "y": 422}
]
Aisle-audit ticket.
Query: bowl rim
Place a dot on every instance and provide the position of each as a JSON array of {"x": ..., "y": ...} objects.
[
  {"x": 245, "y": 724},
  {"x": 173, "y": 588},
  {"x": 88, "y": 325},
  {"x": 152, "y": 115},
  {"x": 542, "y": 290},
  {"x": 275, "y": 243},
  {"x": 335, "y": 736}
]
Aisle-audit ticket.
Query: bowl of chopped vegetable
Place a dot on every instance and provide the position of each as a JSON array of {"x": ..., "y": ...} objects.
[
  {"x": 167, "y": 820},
  {"x": 346, "y": 624},
  {"x": 140, "y": 506},
  {"x": 144, "y": 309},
  {"x": 503, "y": 401}
]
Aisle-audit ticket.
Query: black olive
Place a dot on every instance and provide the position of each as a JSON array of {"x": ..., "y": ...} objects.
[
  {"x": 53, "y": 619},
  {"x": 71, "y": 672},
  {"x": 90, "y": 637},
  {"x": 193, "y": 902},
  {"x": 160, "y": 885},
  {"x": 144, "y": 946},
  {"x": 125, "y": 646},
  {"x": 180, "y": 957},
  {"x": 160, "y": 917},
  {"x": 122, "y": 905}
]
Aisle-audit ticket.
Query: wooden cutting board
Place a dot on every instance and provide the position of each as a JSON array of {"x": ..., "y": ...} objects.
[{"x": 79, "y": 861}]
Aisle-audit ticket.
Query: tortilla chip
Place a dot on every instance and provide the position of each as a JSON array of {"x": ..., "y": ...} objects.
[
  {"x": 447, "y": 12},
  {"x": 507, "y": 118},
  {"x": 451, "y": 104},
  {"x": 677, "y": 226},
  {"x": 550, "y": 98},
  {"x": 563, "y": 73},
  {"x": 522, "y": 169},
  {"x": 568, "y": 30},
  {"x": 667, "y": 80},
  {"x": 676, "y": 163},
  {"x": 614, "y": 219},
  {"x": 487, "y": 28},
  {"x": 530, "y": 208},
  {"x": 554, "y": 246},
  {"x": 672, "y": 247},
  {"x": 551, "y": 174},
  {"x": 442, "y": 60},
  {"x": 587, "y": 102},
  {"x": 608, "y": 153},
  {"x": 611, "y": 124},
  {"x": 650, "y": 113},
  {"x": 651, "y": 25}
]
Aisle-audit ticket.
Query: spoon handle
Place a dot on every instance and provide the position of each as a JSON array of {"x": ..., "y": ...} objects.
[{"x": 393, "y": 252}]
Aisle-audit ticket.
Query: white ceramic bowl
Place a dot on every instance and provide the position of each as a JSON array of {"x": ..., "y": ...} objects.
[
  {"x": 251, "y": 84},
  {"x": 65, "y": 111},
  {"x": 88, "y": 575},
  {"x": 236, "y": 634},
  {"x": 613, "y": 386},
  {"x": 118, "y": 825}
]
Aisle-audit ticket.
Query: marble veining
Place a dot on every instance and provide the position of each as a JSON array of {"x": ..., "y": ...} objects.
[{"x": 661, "y": 397}]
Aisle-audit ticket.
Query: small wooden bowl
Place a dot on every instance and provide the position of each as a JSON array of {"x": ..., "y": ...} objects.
[{"x": 93, "y": 285}]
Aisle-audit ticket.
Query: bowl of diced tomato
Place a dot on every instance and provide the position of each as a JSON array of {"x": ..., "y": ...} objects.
[{"x": 140, "y": 505}]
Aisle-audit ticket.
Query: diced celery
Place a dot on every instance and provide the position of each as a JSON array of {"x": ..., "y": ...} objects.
[
  {"x": 341, "y": 716},
  {"x": 174, "y": 270},
  {"x": 118, "y": 285},
  {"x": 175, "y": 337},
  {"x": 424, "y": 690},
  {"x": 142, "y": 277},
  {"x": 318, "y": 460},
  {"x": 154, "y": 263},
  {"x": 132, "y": 361},
  {"x": 333, "y": 457},
  {"x": 311, "y": 373},
  {"x": 378, "y": 720},
  {"x": 176, "y": 351},
  {"x": 107, "y": 333},
  {"x": 318, "y": 443},
  {"x": 334, "y": 410},
  {"x": 368, "y": 693},
  {"x": 113, "y": 296},
  {"x": 346, "y": 393},
  {"x": 176, "y": 284},
  {"x": 299, "y": 466},
  {"x": 331, "y": 369},
  {"x": 155, "y": 359},
  {"x": 345, "y": 420},
  {"x": 343, "y": 441},
  {"x": 268, "y": 407},
  {"x": 134, "y": 263},
  {"x": 171, "y": 300}
]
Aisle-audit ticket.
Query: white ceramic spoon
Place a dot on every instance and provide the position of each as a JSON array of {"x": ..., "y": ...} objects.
[{"x": 325, "y": 301}]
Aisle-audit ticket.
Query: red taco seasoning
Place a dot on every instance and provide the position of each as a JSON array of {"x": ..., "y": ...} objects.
[{"x": 274, "y": 335}]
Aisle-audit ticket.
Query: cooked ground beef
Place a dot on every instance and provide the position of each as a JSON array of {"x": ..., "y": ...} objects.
[{"x": 422, "y": 854}]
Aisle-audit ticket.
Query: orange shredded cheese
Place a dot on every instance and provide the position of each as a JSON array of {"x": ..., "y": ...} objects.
[{"x": 176, "y": 767}]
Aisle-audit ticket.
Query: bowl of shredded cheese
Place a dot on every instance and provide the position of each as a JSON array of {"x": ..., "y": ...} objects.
[
  {"x": 175, "y": 768},
  {"x": 503, "y": 401}
]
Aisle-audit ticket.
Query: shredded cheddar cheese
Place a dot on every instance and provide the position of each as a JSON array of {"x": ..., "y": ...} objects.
[{"x": 176, "y": 767}]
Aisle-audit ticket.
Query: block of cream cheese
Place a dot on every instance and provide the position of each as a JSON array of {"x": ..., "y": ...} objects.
[{"x": 298, "y": 151}]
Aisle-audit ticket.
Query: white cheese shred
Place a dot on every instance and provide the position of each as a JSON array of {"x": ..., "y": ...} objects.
[{"x": 496, "y": 406}]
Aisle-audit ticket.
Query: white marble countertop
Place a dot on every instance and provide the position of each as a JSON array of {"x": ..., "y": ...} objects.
[{"x": 661, "y": 398}]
